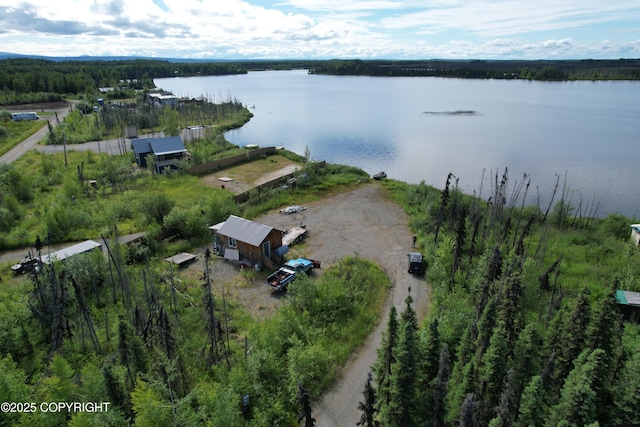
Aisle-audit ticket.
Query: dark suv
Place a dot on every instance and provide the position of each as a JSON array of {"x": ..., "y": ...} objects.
[{"x": 416, "y": 263}]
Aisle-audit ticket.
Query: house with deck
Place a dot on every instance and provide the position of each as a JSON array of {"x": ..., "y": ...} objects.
[
  {"x": 166, "y": 152},
  {"x": 242, "y": 240},
  {"x": 161, "y": 99}
]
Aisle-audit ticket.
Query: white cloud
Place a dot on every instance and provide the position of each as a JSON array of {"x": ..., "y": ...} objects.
[
  {"x": 321, "y": 28},
  {"x": 509, "y": 17}
]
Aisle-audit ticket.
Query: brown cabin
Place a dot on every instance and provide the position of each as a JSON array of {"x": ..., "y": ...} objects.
[{"x": 240, "y": 239}]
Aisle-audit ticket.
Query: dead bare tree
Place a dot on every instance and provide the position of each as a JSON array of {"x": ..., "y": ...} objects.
[{"x": 553, "y": 195}]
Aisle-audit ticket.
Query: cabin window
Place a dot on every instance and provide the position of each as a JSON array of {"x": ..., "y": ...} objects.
[
  {"x": 232, "y": 242},
  {"x": 266, "y": 249}
]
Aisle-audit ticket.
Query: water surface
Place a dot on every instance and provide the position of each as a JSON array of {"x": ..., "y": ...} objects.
[{"x": 420, "y": 129}]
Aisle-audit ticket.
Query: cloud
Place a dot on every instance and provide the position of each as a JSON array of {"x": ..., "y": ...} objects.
[
  {"x": 510, "y": 17},
  {"x": 322, "y": 28}
]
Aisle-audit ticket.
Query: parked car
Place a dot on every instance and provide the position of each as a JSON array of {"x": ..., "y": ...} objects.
[
  {"x": 27, "y": 265},
  {"x": 416, "y": 263}
]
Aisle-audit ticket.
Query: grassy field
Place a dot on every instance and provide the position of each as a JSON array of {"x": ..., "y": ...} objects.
[{"x": 17, "y": 132}]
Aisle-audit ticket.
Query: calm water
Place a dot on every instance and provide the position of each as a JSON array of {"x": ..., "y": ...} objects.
[{"x": 404, "y": 126}]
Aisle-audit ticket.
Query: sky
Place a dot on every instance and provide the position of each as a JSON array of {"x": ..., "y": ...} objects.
[{"x": 323, "y": 29}]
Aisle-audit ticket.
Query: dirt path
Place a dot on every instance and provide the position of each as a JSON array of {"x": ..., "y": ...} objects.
[
  {"x": 366, "y": 223},
  {"x": 32, "y": 141}
]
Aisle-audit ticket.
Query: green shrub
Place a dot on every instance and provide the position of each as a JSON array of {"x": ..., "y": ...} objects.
[
  {"x": 5, "y": 116},
  {"x": 617, "y": 226},
  {"x": 155, "y": 206}
]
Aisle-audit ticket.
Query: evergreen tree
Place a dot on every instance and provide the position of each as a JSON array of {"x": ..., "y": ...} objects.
[
  {"x": 495, "y": 265},
  {"x": 493, "y": 370},
  {"x": 131, "y": 351},
  {"x": 532, "y": 407},
  {"x": 382, "y": 367},
  {"x": 486, "y": 326},
  {"x": 428, "y": 365},
  {"x": 506, "y": 410},
  {"x": 606, "y": 334},
  {"x": 117, "y": 395},
  {"x": 607, "y": 328},
  {"x": 402, "y": 408},
  {"x": 469, "y": 412},
  {"x": 526, "y": 360},
  {"x": 467, "y": 385},
  {"x": 573, "y": 337},
  {"x": 510, "y": 307},
  {"x": 458, "y": 387},
  {"x": 439, "y": 410},
  {"x": 578, "y": 400},
  {"x": 627, "y": 394},
  {"x": 368, "y": 407},
  {"x": 430, "y": 350}
]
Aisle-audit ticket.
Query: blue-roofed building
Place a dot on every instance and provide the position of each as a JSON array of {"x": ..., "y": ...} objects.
[{"x": 166, "y": 151}]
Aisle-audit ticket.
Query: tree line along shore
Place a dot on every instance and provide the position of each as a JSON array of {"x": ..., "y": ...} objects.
[{"x": 22, "y": 78}]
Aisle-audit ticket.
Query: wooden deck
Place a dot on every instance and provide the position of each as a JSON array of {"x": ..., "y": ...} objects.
[{"x": 181, "y": 259}]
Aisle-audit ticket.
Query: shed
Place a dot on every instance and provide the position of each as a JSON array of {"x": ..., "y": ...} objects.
[
  {"x": 65, "y": 253},
  {"x": 254, "y": 242},
  {"x": 635, "y": 233},
  {"x": 629, "y": 305}
]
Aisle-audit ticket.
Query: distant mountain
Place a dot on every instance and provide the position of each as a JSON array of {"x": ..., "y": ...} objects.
[{"x": 7, "y": 55}]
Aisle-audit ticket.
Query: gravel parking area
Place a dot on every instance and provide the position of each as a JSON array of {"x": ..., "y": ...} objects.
[{"x": 362, "y": 222}]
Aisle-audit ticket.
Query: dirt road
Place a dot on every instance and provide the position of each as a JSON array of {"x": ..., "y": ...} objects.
[
  {"x": 366, "y": 223},
  {"x": 32, "y": 141}
]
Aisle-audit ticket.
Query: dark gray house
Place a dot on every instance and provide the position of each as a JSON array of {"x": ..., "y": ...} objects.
[{"x": 166, "y": 151}]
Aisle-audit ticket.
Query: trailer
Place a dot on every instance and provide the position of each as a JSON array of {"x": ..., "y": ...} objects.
[
  {"x": 24, "y": 116},
  {"x": 289, "y": 272},
  {"x": 34, "y": 264},
  {"x": 294, "y": 235}
]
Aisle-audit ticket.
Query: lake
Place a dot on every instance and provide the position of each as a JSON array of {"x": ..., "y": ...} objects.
[{"x": 421, "y": 128}]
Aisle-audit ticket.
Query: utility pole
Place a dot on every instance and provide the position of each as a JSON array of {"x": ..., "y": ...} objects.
[{"x": 64, "y": 142}]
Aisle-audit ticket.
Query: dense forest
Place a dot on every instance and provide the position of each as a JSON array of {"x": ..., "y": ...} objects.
[
  {"x": 48, "y": 80},
  {"x": 22, "y": 76},
  {"x": 623, "y": 69},
  {"x": 520, "y": 332}
]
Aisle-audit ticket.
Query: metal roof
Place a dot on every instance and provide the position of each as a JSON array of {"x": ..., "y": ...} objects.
[
  {"x": 628, "y": 298},
  {"x": 158, "y": 146},
  {"x": 70, "y": 251},
  {"x": 245, "y": 230}
]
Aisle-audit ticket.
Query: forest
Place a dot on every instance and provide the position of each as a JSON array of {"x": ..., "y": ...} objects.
[
  {"x": 524, "y": 328},
  {"x": 40, "y": 80},
  {"x": 622, "y": 69}
]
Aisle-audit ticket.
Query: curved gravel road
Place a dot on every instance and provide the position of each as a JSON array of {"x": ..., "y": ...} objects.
[{"x": 363, "y": 221}]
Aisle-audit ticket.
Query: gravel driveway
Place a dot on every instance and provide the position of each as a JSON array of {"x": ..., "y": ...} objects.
[{"x": 363, "y": 221}]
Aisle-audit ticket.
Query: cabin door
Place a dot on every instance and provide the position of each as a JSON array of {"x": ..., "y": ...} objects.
[{"x": 266, "y": 249}]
